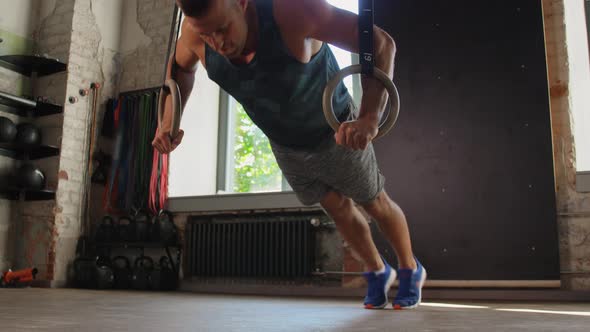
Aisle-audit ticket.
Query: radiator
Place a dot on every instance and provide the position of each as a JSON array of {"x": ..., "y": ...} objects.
[{"x": 252, "y": 246}]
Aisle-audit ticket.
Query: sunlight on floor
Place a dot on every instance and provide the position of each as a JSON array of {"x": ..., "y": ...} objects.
[
  {"x": 536, "y": 311},
  {"x": 573, "y": 313},
  {"x": 450, "y": 305}
]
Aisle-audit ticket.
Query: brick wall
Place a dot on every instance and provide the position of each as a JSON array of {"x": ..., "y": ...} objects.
[
  {"x": 67, "y": 30},
  {"x": 574, "y": 226},
  {"x": 90, "y": 61},
  {"x": 70, "y": 31}
]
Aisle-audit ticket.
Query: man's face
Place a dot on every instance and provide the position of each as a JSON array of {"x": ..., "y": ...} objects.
[{"x": 223, "y": 27}]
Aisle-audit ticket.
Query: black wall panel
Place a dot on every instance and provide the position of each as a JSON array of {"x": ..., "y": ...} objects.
[{"x": 470, "y": 158}]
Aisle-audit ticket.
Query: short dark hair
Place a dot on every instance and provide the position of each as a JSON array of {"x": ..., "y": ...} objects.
[{"x": 194, "y": 8}]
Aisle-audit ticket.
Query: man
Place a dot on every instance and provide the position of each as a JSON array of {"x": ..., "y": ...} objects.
[{"x": 272, "y": 56}]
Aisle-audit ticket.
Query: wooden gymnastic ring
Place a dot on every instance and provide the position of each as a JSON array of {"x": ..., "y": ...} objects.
[
  {"x": 356, "y": 69},
  {"x": 170, "y": 87}
]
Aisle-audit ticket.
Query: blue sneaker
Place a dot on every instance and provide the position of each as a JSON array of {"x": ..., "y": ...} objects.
[
  {"x": 409, "y": 294},
  {"x": 378, "y": 286}
]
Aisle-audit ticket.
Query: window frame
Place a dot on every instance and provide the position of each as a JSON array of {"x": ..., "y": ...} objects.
[{"x": 225, "y": 160}]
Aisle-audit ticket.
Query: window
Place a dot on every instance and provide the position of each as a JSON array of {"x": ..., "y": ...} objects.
[
  {"x": 250, "y": 164},
  {"x": 577, "y": 27},
  {"x": 241, "y": 167}
]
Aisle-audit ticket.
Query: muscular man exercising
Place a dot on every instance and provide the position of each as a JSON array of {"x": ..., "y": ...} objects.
[{"x": 272, "y": 57}]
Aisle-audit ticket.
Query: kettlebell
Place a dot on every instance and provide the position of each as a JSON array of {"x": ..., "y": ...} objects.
[
  {"x": 124, "y": 231},
  {"x": 163, "y": 228},
  {"x": 156, "y": 279},
  {"x": 123, "y": 274},
  {"x": 7, "y": 130},
  {"x": 104, "y": 273},
  {"x": 141, "y": 224},
  {"x": 104, "y": 231},
  {"x": 144, "y": 265},
  {"x": 162, "y": 278},
  {"x": 168, "y": 277},
  {"x": 84, "y": 272}
]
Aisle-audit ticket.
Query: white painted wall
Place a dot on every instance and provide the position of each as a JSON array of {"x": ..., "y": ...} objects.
[
  {"x": 46, "y": 8},
  {"x": 579, "y": 65},
  {"x": 18, "y": 17},
  {"x": 109, "y": 16},
  {"x": 132, "y": 35},
  {"x": 193, "y": 165}
]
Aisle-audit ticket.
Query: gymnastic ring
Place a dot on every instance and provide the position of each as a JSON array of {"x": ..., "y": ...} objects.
[
  {"x": 356, "y": 69},
  {"x": 170, "y": 87}
]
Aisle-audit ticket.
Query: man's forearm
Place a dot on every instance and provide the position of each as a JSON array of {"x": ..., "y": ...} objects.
[
  {"x": 185, "y": 80},
  {"x": 374, "y": 93}
]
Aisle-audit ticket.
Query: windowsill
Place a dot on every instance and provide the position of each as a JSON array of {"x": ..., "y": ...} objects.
[
  {"x": 234, "y": 202},
  {"x": 583, "y": 182}
]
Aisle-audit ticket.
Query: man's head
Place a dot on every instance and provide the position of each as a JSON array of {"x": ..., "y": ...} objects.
[{"x": 220, "y": 23}]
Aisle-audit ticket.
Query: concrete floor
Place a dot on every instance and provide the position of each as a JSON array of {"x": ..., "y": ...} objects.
[{"x": 82, "y": 310}]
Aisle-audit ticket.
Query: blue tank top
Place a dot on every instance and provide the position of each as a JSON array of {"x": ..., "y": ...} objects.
[{"x": 281, "y": 95}]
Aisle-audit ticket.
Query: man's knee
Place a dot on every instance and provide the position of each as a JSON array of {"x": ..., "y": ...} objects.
[
  {"x": 377, "y": 204},
  {"x": 337, "y": 205}
]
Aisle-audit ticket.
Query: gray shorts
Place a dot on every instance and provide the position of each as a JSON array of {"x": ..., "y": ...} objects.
[{"x": 312, "y": 173}]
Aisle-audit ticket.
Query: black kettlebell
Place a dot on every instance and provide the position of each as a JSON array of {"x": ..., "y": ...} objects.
[
  {"x": 27, "y": 135},
  {"x": 131, "y": 229},
  {"x": 141, "y": 225},
  {"x": 30, "y": 177},
  {"x": 144, "y": 265},
  {"x": 154, "y": 230},
  {"x": 7, "y": 130},
  {"x": 104, "y": 273},
  {"x": 156, "y": 279},
  {"x": 124, "y": 229},
  {"x": 84, "y": 272},
  {"x": 163, "y": 228},
  {"x": 104, "y": 231},
  {"x": 168, "y": 277},
  {"x": 163, "y": 278},
  {"x": 123, "y": 274}
]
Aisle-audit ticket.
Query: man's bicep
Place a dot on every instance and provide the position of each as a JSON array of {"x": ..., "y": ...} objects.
[
  {"x": 320, "y": 20},
  {"x": 340, "y": 27},
  {"x": 186, "y": 57},
  {"x": 335, "y": 26}
]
